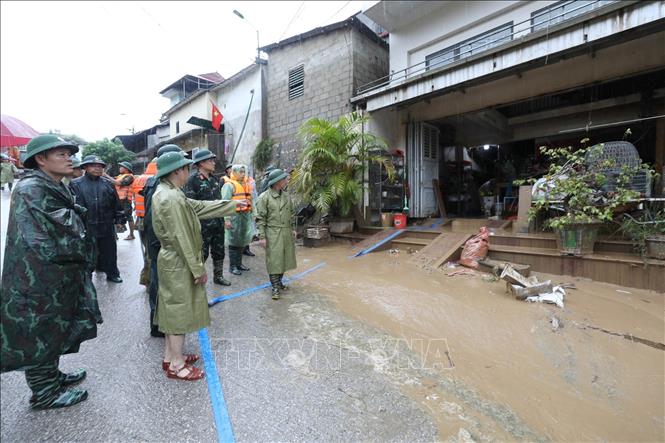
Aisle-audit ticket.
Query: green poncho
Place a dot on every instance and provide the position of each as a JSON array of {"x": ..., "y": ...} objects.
[{"x": 48, "y": 303}]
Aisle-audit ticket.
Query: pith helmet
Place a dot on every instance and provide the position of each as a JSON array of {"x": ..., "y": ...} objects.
[
  {"x": 169, "y": 162},
  {"x": 168, "y": 148},
  {"x": 93, "y": 160},
  {"x": 76, "y": 163},
  {"x": 43, "y": 143},
  {"x": 127, "y": 166},
  {"x": 203, "y": 154},
  {"x": 275, "y": 176}
]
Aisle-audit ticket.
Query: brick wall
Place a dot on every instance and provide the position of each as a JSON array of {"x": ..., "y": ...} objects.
[{"x": 333, "y": 64}]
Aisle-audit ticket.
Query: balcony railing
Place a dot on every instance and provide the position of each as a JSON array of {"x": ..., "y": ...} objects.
[{"x": 518, "y": 30}]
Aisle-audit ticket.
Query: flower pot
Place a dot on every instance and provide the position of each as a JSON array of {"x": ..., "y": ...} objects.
[
  {"x": 387, "y": 219},
  {"x": 577, "y": 238},
  {"x": 655, "y": 247},
  {"x": 341, "y": 226}
]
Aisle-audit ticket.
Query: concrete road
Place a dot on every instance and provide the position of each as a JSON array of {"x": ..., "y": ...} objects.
[{"x": 290, "y": 370}]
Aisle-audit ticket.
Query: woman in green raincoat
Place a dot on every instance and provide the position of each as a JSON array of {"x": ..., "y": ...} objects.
[
  {"x": 182, "y": 305},
  {"x": 274, "y": 218},
  {"x": 238, "y": 229}
]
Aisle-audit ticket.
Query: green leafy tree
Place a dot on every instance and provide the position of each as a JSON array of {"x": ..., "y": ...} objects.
[
  {"x": 575, "y": 189},
  {"x": 111, "y": 152},
  {"x": 330, "y": 168}
]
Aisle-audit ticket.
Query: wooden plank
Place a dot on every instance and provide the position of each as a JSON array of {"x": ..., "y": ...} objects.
[
  {"x": 442, "y": 248},
  {"x": 373, "y": 239},
  {"x": 439, "y": 198}
]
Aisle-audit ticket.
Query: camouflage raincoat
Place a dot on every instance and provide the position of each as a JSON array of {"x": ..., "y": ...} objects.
[{"x": 48, "y": 303}]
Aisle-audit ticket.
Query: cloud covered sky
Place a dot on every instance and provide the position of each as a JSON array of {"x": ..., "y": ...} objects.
[{"x": 95, "y": 69}]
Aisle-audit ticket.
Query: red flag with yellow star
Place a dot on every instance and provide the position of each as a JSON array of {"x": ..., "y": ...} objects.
[{"x": 217, "y": 117}]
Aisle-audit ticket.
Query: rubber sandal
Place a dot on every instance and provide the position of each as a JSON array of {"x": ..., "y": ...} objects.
[
  {"x": 189, "y": 359},
  {"x": 193, "y": 373}
]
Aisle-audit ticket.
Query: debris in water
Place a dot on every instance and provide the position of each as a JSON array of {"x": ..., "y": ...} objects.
[
  {"x": 461, "y": 272},
  {"x": 394, "y": 252},
  {"x": 556, "y": 323},
  {"x": 623, "y": 292},
  {"x": 521, "y": 293},
  {"x": 555, "y": 297},
  {"x": 489, "y": 278}
]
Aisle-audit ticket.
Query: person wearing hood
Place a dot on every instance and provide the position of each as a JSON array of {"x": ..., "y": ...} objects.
[
  {"x": 48, "y": 302},
  {"x": 238, "y": 229}
]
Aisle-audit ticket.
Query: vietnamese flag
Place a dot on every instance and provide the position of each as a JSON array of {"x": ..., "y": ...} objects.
[{"x": 217, "y": 117}]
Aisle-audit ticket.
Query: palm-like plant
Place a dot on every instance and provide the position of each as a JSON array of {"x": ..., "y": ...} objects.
[{"x": 331, "y": 165}]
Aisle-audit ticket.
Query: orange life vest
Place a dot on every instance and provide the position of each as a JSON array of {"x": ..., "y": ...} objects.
[
  {"x": 241, "y": 192},
  {"x": 138, "y": 185},
  {"x": 124, "y": 192}
]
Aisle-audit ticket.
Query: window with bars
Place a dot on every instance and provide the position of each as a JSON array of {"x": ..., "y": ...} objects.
[
  {"x": 297, "y": 82},
  {"x": 430, "y": 142},
  {"x": 472, "y": 46}
]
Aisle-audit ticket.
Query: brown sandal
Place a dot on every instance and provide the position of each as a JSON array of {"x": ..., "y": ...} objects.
[
  {"x": 193, "y": 373},
  {"x": 189, "y": 358}
]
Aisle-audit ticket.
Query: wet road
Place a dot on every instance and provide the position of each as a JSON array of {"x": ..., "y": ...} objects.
[{"x": 287, "y": 371}]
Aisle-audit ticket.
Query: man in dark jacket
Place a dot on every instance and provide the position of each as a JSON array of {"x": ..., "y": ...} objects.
[
  {"x": 152, "y": 242},
  {"x": 98, "y": 196},
  {"x": 203, "y": 185},
  {"x": 48, "y": 303}
]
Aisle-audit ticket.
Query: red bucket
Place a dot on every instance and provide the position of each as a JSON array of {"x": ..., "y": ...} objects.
[{"x": 399, "y": 221}]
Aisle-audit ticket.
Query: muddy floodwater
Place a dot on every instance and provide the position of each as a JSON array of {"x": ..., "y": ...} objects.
[{"x": 487, "y": 367}]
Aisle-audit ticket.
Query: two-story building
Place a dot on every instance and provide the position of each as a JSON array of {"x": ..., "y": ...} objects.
[{"x": 474, "y": 86}]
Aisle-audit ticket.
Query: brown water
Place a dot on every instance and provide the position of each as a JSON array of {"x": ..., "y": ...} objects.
[{"x": 497, "y": 367}]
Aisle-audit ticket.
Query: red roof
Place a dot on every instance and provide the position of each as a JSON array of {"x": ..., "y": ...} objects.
[{"x": 214, "y": 77}]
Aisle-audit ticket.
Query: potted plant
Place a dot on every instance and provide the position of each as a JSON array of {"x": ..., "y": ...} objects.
[
  {"x": 581, "y": 192},
  {"x": 331, "y": 166},
  {"x": 647, "y": 231}
]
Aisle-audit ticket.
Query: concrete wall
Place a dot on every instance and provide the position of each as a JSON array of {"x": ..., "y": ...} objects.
[
  {"x": 333, "y": 64},
  {"x": 233, "y": 101},
  {"x": 199, "y": 107},
  {"x": 455, "y": 22}
]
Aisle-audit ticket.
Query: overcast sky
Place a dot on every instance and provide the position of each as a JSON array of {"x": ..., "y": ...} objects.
[{"x": 77, "y": 67}]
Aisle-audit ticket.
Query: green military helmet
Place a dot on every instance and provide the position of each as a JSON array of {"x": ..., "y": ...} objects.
[
  {"x": 127, "y": 166},
  {"x": 169, "y": 162},
  {"x": 202, "y": 154},
  {"x": 93, "y": 160},
  {"x": 275, "y": 176},
  {"x": 76, "y": 163},
  {"x": 168, "y": 148},
  {"x": 43, "y": 143}
]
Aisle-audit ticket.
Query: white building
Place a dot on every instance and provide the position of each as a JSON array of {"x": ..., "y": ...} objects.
[{"x": 511, "y": 76}]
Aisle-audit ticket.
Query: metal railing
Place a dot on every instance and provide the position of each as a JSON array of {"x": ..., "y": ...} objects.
[{"x": 410, "y": 72}]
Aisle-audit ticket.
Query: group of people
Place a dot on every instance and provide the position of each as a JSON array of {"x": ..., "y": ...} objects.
[{"x": 62, "y": 228}]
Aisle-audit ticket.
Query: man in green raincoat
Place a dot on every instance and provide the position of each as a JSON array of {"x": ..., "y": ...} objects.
[
  {"x": 182, "y": 305},
  {"x": 48, "y": 303},
  {"x": 274, "y": 220},
  {"x": 239, "y": 229},
  {"x": 7, "y": 173}
]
